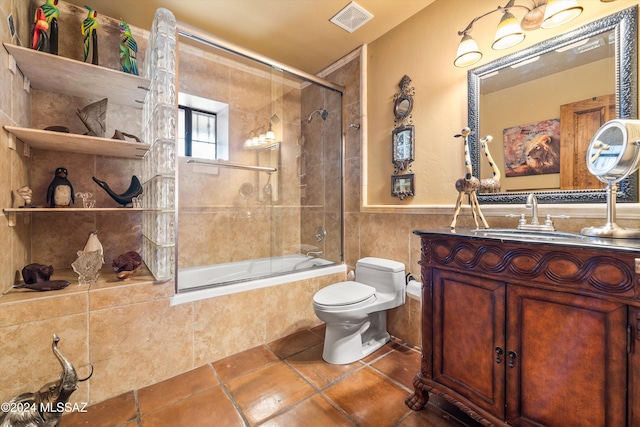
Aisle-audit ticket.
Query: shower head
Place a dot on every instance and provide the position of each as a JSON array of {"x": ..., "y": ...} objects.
[{"x": 323, "y": 113}]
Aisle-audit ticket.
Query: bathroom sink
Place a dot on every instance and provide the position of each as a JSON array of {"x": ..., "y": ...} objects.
[{"x": 527, "y": 234}]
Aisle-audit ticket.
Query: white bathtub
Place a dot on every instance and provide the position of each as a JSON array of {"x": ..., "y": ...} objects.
[{"x": 223, "y": 279}]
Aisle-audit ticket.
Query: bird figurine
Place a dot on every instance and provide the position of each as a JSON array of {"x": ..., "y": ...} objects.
[
  {"x": 39, "y": 38},
  {"x": 60, "y": 192},
  {"x": 51, "y": 12},
  {"x": 126, "y": 198},
  {"x": 90, "y": 34},
  {"x": 128, "y": 49}
]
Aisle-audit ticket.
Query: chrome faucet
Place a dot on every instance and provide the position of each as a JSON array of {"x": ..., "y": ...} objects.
[
  {"x": 314, "y": 253},
  {"x": 532, "y": 203}
]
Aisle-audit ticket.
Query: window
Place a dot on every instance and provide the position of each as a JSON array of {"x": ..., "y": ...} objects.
[
  {"x": 203, "y": 128},
  {"x": 197, "y": 133}
]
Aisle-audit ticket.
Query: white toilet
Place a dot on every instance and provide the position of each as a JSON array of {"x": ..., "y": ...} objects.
[{"x": 355, "y": 312}]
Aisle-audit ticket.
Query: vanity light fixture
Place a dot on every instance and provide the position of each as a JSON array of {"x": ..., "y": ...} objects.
[
  {"x": 259, "y": 137},
  {"x": 542, "y": 14}
]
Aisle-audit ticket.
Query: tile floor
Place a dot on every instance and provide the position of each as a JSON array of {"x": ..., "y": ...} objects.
[{"x": 284, "y": 383}]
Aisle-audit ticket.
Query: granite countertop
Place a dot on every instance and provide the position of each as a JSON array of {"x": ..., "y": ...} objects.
[{"x": 537, "y": 237}]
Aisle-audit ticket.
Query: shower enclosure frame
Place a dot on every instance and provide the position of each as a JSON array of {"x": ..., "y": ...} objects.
[{"x": 211, "y": 40}]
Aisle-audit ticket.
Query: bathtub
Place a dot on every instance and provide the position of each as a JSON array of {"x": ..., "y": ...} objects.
[{"x": 223, "y": 279}]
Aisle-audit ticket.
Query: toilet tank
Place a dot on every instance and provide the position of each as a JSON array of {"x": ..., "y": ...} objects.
[{"x": 385, "y": 275}]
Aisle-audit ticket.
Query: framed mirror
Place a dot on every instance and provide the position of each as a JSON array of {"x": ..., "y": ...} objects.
[
  {"x": 402, "y": 107},
  {"x": 402, "y": 186},
  {"x": 525, "y": 90},
  {"x": 403, "y": 146}
]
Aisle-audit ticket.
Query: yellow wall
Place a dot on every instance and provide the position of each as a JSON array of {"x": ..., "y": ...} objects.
[{"x": 423, "y": 47}]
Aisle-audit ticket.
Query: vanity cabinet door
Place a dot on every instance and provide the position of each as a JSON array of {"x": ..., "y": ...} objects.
[
  {"x": 468, "y": 337},
  {"x": 565, "y": 359}
]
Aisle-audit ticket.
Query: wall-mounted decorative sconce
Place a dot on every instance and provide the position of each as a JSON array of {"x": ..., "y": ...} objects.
[{"x": 510, "y": 32}]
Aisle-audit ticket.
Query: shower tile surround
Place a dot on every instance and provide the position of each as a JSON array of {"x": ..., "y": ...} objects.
[{"x": 239, "y": 229}]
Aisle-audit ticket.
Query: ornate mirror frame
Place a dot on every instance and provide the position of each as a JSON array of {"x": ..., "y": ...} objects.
[
  {"x": 403, "y": 146},
  {"x": 402, "y": 185},
  {"x": 403, "y": 101},
  {"x": 625, "y": 25}
]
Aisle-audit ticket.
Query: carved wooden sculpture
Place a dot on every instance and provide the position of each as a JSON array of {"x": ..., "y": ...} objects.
[
  {"x": 469, "y": 185},
  {"x": 490, "y": 185}
]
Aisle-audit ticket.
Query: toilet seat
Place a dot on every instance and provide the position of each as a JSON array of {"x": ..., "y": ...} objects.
[{"x": 347, "y": 293}]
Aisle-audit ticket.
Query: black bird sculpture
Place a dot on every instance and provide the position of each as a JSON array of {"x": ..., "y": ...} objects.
[{"x": 134, "y": 190}]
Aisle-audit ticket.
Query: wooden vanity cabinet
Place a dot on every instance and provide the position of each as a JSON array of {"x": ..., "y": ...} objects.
[{"x": 529, "y": 334}]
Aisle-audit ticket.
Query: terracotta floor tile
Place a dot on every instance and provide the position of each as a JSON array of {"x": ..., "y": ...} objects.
[
  {"x": 381, "y": 351},
  {"x": 176, "y": 388},
  {"x": 262, "y": 388},
  {"x": 434, "y": 416},
  {"x": 369, "y": 398},
  {"x": 209, "y": 408},
  {"x": 313, "y": 412},
  {"x": 268, "y": 390},
  {"x": 294, "y": 343},
  {"x": 241, "y": 363},
  {"x": 428, "y": 417},
  {"x": 111, "y": 412},
  {"x": 319, "y": 330},
  {"x": 309, "y": 364},
  {"x": 402, "y": 364}
]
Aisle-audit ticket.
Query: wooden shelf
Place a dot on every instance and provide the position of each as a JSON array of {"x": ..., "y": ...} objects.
[
  {"x": 29, "y": 210},
  {"x": 62, "y": 75},
  {"x": 13, "y": 212},
  {"x": 71, "y": 142}
]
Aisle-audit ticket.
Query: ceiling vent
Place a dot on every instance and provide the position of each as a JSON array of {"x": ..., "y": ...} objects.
[{"x": 351, "y": 17}]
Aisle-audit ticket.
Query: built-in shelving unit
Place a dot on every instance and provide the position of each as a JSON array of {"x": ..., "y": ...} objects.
[{"x": 58, "y": 74}]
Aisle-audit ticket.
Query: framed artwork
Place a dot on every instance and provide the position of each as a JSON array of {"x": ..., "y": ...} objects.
[
  {"x": 532, "y": 149},
  {"x": 402, "y": 186},
  {"x": 403, "y": 146}
]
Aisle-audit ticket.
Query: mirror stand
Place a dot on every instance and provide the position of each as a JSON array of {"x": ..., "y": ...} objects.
[{"x": 611, "y": 229}]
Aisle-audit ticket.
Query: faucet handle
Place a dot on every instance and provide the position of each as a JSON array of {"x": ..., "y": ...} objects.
[
  {"x": 521, "y": 217},
  {"x": 548, "y": 221}
]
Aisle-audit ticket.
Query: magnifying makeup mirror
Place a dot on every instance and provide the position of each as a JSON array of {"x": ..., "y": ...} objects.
[{"x": 613, "y": 155}]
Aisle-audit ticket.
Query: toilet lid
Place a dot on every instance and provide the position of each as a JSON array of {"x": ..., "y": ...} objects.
[{"x": 343, "y": 293}]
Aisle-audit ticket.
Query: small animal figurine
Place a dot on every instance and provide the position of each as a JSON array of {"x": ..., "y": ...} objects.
[
  {"x": 39, "y": 37},
  {"x": 94, "y": 117},
  {"x": 42, "y": 408},
  {"x": 490, "y": 185},
  {"x": 27, "y": 194},
  {"x": 60, "y": 192},
  {"x": 51, "y": 12},
  {"x": 90, "y": 34},
  {"x": 469, "y": 185},
  {"x": 126, "y": 198},
  {"x": 36, "y": 277},
  {"x": 128, "y": 49}
]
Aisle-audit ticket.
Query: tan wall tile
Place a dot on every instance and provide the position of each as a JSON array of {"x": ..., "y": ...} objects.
[
  {"x": 138, "y": 345},
  {"x": 43, "y": 308},
  {"x": 27, "y": 360},
  {"x": 229, "y": 324}
]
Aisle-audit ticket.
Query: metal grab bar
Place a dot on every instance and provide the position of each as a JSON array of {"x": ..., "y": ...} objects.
[{"x": 232, "y": 165}]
